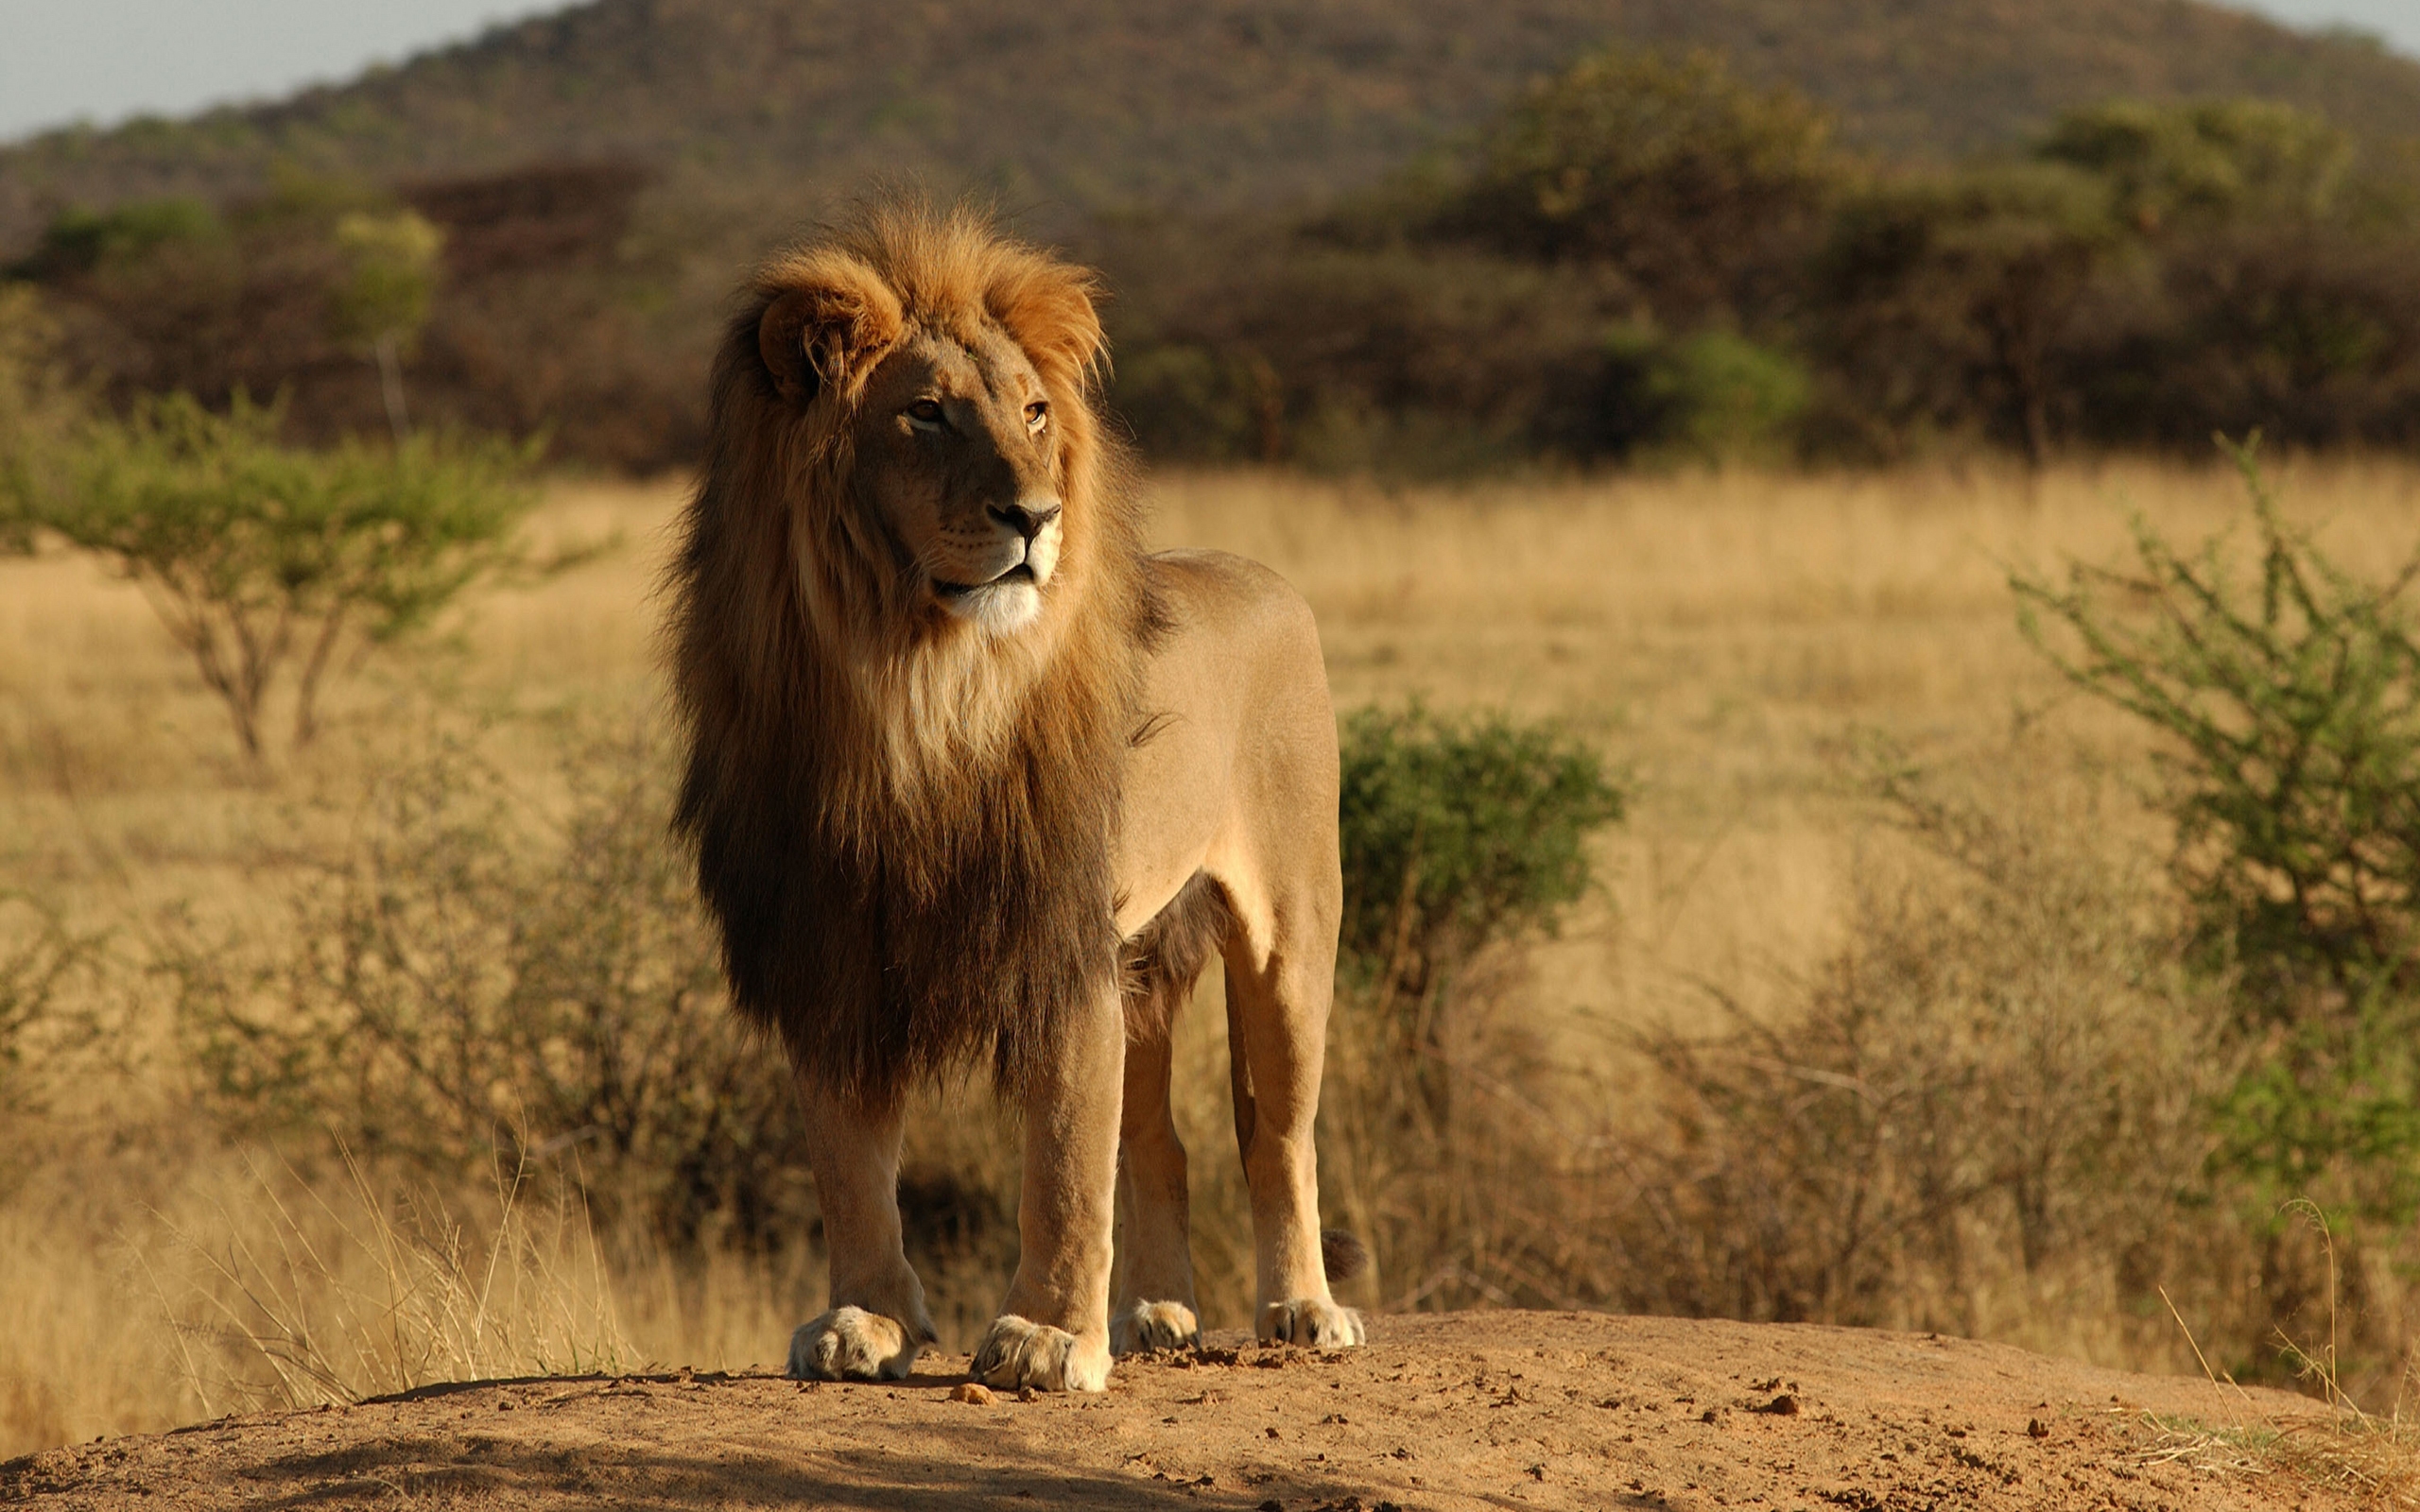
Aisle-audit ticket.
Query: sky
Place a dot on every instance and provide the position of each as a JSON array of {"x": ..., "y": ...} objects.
[{"x": 103, "y": 60}]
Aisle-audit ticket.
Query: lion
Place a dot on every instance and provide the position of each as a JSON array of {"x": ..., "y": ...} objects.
[{"x": 974, "y": 779}]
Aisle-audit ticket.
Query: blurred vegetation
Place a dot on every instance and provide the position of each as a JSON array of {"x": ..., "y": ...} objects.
[
  {"x": 1647, "y": 259},
  {"x": 1699, "y": 191},
  {"x": 260, "y": 557},
  {"x": 1668, "y": 251},
  {"x": 384, "y": 298},
  {"x": 38, "y": 955},
  {"x": 1115, "y": 107},
  {"x": 509, "y": 294}
]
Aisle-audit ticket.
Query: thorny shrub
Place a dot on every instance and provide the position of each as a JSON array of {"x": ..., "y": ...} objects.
[
  {"x": 2287, "y": 702},
  {"x": 38, "y": 955}
]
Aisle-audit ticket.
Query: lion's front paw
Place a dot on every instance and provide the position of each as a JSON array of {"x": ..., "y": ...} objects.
[
  {"x": 1153, "y": 1325},
  {"x": 1307, "y": 1320},
  {"x": 1015, "y": 1353},
  {"x": 851, "y": 1344}
]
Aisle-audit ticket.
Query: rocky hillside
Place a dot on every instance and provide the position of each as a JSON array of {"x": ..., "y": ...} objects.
[{"x": 748, "y": 110}]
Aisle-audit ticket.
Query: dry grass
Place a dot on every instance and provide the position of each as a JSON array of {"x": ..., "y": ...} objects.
[{"x": 1725, "y": 636}]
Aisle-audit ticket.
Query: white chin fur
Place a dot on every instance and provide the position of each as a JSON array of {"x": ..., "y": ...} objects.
[{"x": 998, "y": 608}]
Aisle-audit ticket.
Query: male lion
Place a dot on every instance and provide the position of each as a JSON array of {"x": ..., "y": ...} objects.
[{"x": 973, "y": 777}]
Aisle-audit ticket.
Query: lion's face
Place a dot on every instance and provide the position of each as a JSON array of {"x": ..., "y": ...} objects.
[{"x": 957, "y": 457}]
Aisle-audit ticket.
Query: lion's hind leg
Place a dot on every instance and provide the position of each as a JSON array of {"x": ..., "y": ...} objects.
[
  {"x": 1153, "y": 1299},
  {"x": 877, "y": 1323},
  {"x": 1280, "y": 972}
]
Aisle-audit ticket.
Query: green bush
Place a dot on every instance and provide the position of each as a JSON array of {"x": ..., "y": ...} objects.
[
  {"x": 88, "y": 241},
  {"x": 258, "y": 556},
  {"x": 1457, "y": 833},
  {"x": 1462, "y": 838}
]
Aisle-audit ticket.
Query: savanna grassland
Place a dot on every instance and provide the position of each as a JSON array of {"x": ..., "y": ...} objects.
[{"x": 1815, "y": 689}]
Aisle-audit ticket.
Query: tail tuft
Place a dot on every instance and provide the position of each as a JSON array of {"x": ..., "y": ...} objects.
[{"x": 1344, "y": 1256}]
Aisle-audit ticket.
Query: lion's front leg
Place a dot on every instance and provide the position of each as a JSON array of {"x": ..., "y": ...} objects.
[
  {"x": 1053, "y": 1330},
  {"x": 876, "y": 1325}
]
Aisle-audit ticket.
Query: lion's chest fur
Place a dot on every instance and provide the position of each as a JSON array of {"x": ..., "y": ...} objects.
[{"x": 913, "y": 899}]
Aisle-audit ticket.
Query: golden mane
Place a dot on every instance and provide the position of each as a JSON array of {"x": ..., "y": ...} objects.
[{"x": 904, "y": 828}]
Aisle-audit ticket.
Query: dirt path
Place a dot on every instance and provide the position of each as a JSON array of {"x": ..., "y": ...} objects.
[{"x": 1476, "y": 1410}]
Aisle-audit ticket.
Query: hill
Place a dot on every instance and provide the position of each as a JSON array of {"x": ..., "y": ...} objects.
[
  {"x": 750, "y": 110},
  {"x": 1453, "y": 1411}
]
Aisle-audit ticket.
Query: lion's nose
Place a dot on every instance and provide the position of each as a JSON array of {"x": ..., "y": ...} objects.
[{"x": 1026, "y": 518}]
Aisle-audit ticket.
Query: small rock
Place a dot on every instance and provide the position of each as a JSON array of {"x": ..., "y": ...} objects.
[
  {"x": 972, "y": 1391},
  {"x": 2036, "y": 1428},
  {"x": 1029, "y": 1394},
  {"x": 1784, "y": 1405}
]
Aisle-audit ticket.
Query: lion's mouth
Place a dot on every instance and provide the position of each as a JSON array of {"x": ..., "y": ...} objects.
[{"x": 1021, "y": 572}]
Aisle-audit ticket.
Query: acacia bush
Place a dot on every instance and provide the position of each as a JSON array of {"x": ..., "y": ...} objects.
[
  {"x": 2287, "y": 698},
  {"x": 262, "y": 559}
]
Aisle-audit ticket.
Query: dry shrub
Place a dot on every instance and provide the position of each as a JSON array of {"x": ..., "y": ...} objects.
[
  {"x": 1463, "y": 840},
  {"x": 1988, "y": 1102},
  {"x": 1462, "y": 1161},
  {"x": 471, "y": 988}
]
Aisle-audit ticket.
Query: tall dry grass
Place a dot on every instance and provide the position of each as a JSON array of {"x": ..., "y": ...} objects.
[{"x": 1733, "y": 639}]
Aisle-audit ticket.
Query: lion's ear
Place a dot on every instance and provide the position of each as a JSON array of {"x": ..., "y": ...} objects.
[
  {"x": 829, "y": 318},
  {"x": 1049, "y": 306}
]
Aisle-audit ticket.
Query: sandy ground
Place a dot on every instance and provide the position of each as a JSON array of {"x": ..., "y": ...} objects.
[{"x": 1495, "y": 1409}]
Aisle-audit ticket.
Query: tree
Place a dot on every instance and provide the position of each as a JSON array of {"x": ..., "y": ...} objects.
[
  {"x": 256, "y": 554},
  {"x": 39, "y": 409},
  {"x": 1945, "y": 297},
  {"x": 2204, "y": 162},
  {"x": 383, "y": 300},
  {"x": 1704, "y": 190}
]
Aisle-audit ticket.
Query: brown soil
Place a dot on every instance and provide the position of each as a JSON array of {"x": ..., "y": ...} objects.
[{"x": 1502, "y": 1409}]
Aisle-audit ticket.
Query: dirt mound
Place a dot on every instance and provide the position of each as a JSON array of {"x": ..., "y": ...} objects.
[{"x": 1502, "y": 1409}]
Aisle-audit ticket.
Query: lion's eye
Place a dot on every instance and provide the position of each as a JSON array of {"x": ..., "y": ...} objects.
[
  {"x": 925, "y": 412},
  {"x": 1037, "y": 415}
]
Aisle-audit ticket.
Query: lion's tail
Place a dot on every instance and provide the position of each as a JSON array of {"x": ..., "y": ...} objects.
[{"x": 1344, "y": 1256}]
